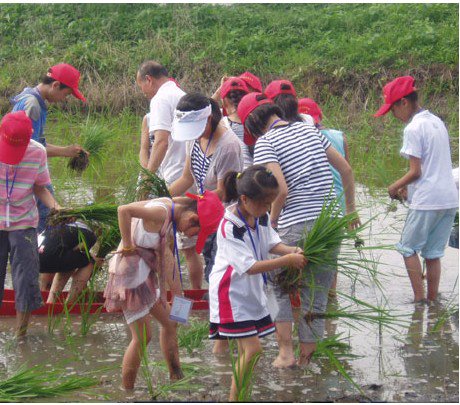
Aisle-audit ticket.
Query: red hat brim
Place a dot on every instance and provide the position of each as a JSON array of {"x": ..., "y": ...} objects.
[
  {"x": 383, "y": 110},
  {"x": 248, "y": 139},
  {"x": 78, "y": 95}
]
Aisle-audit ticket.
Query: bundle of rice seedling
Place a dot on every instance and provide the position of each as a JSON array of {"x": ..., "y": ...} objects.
[
  {"x": 93, "y": 137},
  {"x": 151, "y": 186},
  {"x": 38, "y": 382},
  {"x": 101, "y": 213}
]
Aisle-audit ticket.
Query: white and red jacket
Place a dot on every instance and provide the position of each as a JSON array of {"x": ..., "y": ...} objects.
[{"x": 234, "y": 295}]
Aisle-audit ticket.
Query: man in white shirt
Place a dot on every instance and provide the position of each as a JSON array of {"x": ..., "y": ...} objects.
[
  {"x": 167, "y": 156},
  {"x": 431, "y": 191}
]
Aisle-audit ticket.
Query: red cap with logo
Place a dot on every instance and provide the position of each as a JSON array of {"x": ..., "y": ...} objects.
[
  {"x": 210, "y": 211},
  {"x": 233, "y": 83},
  {"x": 395, "y": 90},
  {"x": 252, "y": 81},
  {"x": 68, "y": 75},
  {"x": 277, "y": 87},
  {"x": 246, "y": 106},
  {"x": 15, "y": 133},
  {"x": 309, "y": 106}
]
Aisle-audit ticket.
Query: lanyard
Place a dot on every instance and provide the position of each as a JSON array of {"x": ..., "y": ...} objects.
[
  {"x": 274, "y": 123},
  {"x": 176, "y": 249},
  {"x": 202, "y": 175},
  {"x": 256, "y": 251},
  {"x": 9, "y": 192}
]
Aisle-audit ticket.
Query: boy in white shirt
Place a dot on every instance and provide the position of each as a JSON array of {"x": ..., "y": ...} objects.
[{"x": 431, "y": 190}]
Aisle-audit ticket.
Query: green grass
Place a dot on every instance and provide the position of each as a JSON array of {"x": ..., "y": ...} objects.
[{"x": 193, "y": 336}]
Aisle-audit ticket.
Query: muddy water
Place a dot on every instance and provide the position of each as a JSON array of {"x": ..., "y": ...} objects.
[{"x": 416, "y": 361}]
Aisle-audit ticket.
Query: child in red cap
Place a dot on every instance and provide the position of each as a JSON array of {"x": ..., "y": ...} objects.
[
  {"x": 60, "y": 81},
  {"x": 237, "y": 300},
  {"x": 23, "y": 177},
  {"x": 429, "y": 185},
  {"x": 137, "y": 272}
]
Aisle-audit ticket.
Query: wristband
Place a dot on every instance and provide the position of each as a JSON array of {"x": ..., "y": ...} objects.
[{"x": 129, "y": 249}]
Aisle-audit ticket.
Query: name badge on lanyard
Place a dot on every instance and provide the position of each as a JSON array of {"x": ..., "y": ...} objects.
[{"x": 9, "y": 192}]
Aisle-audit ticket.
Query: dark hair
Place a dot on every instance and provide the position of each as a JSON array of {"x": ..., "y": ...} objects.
[
  {"x": 189, "y": 204},
  {"x": 152, "y": 68},
  {"x": 412, "y": 98},
  {"x": 253, "y": 183},
  {"x": 235, "y": 96},
  {"x": 197, "y": 101},
  {"x": 49, "y": 80},
  {"x": 256, "y": 122},
  {"x": 289, "y": 106}
]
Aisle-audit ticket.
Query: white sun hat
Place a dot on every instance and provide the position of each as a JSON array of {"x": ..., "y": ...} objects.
[{"x": 190, "y": 125}]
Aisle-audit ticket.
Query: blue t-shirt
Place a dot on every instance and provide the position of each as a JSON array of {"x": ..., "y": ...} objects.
[
  {"x": 32, "y": 103},
  {"x": 336, "y": 139}
]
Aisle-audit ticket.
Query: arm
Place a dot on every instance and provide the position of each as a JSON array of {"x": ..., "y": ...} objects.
[
  {"x": 63, "y": 151},
  {"x": 145, "y": 143},
  {"x": 184, "y": 182},
  {"x": 415, "y": 171},
  {"x": 45, "y": 196},
  {"x": 281, "y": 249},
  {"x": 216, "y": 95},
  {"x": 295, "y": 260},
  {"x": 136, "y": 210},
  {"x": 278, "y": 204},
  {"x": 345, "y": 148},
  {"x": 159, "y": 148}
]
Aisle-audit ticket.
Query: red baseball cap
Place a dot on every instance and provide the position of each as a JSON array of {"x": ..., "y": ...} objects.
[
  {"x": 395, "y": 90},
  {"x": 15, "y": 133},
  {"x": 309, "y": 106},
  {"x": 233, "y": 83},
  {"x": 275, "y": 88},
  {"x": 252, "y": 81},
  {"x": 210, "y": 212},
  {"x": 68, "y": 75},
  {"x": 246, "y": 106}
]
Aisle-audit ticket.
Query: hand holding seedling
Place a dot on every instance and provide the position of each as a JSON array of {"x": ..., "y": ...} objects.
[
  {"x": 74, "y": 150},
  {"x": 297, "y": 260}
]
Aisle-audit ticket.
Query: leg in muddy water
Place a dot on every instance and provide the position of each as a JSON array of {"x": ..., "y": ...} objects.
[
  {"x": 132, "y": 357},
  {"x": 414, "y": 270},
  {"x": 220, "y": 347},
  {"x": 306, "y": 352},
  {"x": 22, "y": 321},
  {"x": 195, "y": 267},
  {"x": 247, "y": 349},
  {"x": 285, "y": 356},
  {"x": 433, "y": 276},
  {"x": 168, "y": 341},
  {"x": 79, "y": 280}
]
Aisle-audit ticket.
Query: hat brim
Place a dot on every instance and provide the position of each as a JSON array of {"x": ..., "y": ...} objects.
[
  {"x": 201, "y": 241},
  {"x": 188, "y": 131},
  {"x": 11, "y": 155},
  {"x": 383, "y": 110},
  {"x": 78, "y": 95},
  {"x": 248, "y": 139}
]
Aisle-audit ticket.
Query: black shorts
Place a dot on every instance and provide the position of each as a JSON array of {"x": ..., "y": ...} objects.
[
  {"x": 243, "y": 329},
  {"x": 58, "y": 255}
]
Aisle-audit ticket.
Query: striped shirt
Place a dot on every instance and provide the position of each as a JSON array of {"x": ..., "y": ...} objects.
[
  {"x": 200, "y": 165},
  {"x": 32, "y": 170},
  {"x": 300, "y": 150}
]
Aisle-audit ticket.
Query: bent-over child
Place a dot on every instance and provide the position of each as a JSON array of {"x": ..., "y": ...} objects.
[
  {"x": 137, "y": 271},
  {"x": 237, "y": 301}
]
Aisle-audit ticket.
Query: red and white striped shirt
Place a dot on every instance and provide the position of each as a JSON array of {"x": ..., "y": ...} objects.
[{"x": 234, "y": 295}]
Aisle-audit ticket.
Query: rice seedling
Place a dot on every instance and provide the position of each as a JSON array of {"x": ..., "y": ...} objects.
[
  {"x": 145, "y": 368},
  {"x": 151, "y": 186},
  {"x": 93, "y": 137},
  {"x": 37, "y": 382},
  {"x": 181, "y": 385},
  {"x": 242, "y": 374},
  {"x": 101, "y": 213},
  {"x": 86, "y": 300},
  {"x": 193, "y": 336},
  {"x": 108, "y": 240},
  {"x": 188, "y": 368}
]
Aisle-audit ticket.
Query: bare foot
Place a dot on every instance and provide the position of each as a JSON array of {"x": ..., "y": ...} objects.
[
  {"x": 304, "y": 359},
  {"x": 284, "y": 362}
]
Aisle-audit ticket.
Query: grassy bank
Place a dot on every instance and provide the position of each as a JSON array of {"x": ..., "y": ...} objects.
[{"x": 339, "y": 54}]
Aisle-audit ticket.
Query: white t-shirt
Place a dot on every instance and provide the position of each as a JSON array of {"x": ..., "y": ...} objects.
[
  {"x": 308, "y": 119},
  {"x": 161, "y": 117},
  {"x": 426, "y": 138},
  {"x": 234, "y": 295}
]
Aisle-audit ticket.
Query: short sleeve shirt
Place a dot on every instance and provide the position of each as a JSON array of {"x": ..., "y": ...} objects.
[
  {"x": 161, "y": 117},
  {"x": 234, "y": 295},
  {"x": 300, "y": 150},
  {"x": 426, "y": 138},
  {"x": 32, "y": 170}
]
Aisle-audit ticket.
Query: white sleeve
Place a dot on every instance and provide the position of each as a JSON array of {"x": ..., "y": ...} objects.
[
  {"x": 411, "y": 144},
  {"x": 273, "y": 237},
  {"x": 161, "y": 115}
]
